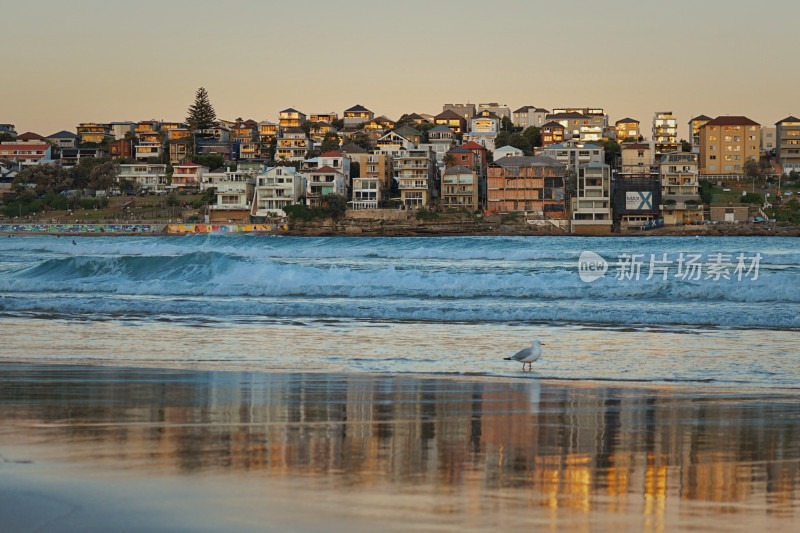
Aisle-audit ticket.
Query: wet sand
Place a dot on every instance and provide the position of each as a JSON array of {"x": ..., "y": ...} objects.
[{"x": 124, "y": 449}]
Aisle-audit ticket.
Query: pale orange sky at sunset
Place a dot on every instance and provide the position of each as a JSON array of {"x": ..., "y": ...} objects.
[{"x": 65, "y": 63}]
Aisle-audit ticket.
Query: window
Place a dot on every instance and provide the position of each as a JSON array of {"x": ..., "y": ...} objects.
[{"x": 712, "y": 157}]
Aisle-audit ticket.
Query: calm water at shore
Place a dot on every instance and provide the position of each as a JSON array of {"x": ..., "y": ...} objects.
[{"x": 99, "y": 448}]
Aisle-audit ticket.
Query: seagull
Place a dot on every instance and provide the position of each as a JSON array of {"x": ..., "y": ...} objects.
[{"x": 528, "y": 355}]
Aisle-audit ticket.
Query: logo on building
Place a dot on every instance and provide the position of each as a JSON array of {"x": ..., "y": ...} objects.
[
  {"x": 639, "y": 200},
  {"x": 591, "y": 266}
]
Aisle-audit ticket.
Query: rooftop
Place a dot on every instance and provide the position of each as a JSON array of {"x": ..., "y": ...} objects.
[{"x": 733, "y": 120}]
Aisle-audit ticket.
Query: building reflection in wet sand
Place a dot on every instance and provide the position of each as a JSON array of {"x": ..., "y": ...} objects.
[{"x": 496, "y": 445}]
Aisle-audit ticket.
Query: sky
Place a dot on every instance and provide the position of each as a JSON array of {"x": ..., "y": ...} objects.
[{"x": 64, "y": 63}]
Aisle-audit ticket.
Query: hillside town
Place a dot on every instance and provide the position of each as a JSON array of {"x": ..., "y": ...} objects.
[{"x": 570, "y": 168}]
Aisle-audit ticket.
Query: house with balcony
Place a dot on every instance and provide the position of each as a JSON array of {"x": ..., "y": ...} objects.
[
  {"x": 268, "y": 131},
  {"x": 665, "y": 132},
  {"x": 146, "y": 126},
  {"x": 233, "y": 197},
  {"x": 591, "y": 204},
  {"x": 529, "y": 116},
  {"x": 122, "y": 129},
  {"x": 150, "y": 177},
  {"x": 481, "y": 158},
  {"x": 694, "y": 129},
  {"x": 534, "y": 185},
  {"x": 94, "y": 132},
  {"x": 392, "y": 143},
  {"x": 552, "y": 133},
  {"x": 188, "y": 176},
  {"x": 291, "y": 118},
  {"x": 323, "y": 181},
  {"x": 323, "y": 117},
  {"x": 379, "y": 124},
  {"x": 484, "y": 128},
  {"x": 144, "y": 150},
  {"x": 357, "y": 115},
  {"x": 460, "y": 188},
  {"x": 373, "y": 182},
  {"x": 573, "y": 154},
  {"x": 121, "y": 149},
  {"x": 457, "y": 123},
  {"x": 680, "y": 188},
  {"x": 626, "y": 128},
  {"x": 499, "y": 110},
  {"x": 637, "y": 158},
  {"x": 507, "y": 151},
  {"x": 726, "y": 144},
  {"x": 26, "y": 154},
  {"x": 415, "y": 172},
  {"x": 787, "y": 144},
  {"x": 275, "y": 188},
  {"x": 293, "y": 145},
  {"x": 70, "y": 157},
  {"x": 574, "y": 122},
  {"x": 63, "y": 139}
]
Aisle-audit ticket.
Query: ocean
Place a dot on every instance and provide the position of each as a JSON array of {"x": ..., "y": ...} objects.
[{"x": 447, "y": 305}]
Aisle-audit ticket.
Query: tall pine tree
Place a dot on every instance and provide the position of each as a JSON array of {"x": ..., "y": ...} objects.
[{"x": 201, "y": 113}]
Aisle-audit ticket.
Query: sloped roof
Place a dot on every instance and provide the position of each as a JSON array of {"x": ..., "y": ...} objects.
[
  {"x": 290, "y": 110},
  {"x": 459, "y": 150},
  {"x": 790, "y": 118},
  {"x": 700, "y": 117},
  {"x": 448, "y": 114},
  {"x": 472, "y": 145},
  {"x": 29, "y": 136},
  {"x": 732, "y": 120},
  {"x": 325, "y": 170},
  {"x": 358, "y": 108},
  {"x": 407, "y": 130},
  {"x": 553, "y": 124},
  {"x": 566, "y": 115},
  {"x": 636, "y": 146},
  {"x": 352, "y": 148},
  {"x": 24, "y": 146},
  {"x": 440, "y": 127},
  {"x": 525, "y": 108},
  {"x": 332, "y": 153},
  {"x": 458, "y": 169},
  {"x": 64, "y": 134},
  {"x": 528, "y": 161},
  {"x": 626, "y": 120},
  {"x": 508, "y": 147},
  {"x": 415, "y": 116}
]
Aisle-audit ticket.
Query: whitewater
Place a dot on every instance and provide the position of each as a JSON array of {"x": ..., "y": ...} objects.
[{"x": 401, "y": 304}]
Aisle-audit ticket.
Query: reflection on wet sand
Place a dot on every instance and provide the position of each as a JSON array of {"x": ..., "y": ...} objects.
[{"x": 579, "y": 456}]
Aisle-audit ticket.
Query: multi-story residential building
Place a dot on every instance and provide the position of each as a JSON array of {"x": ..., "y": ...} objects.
[
  {"x": 373, "y": 182},
  {"x": 637, "y": 158},
  {"x": 70, "y": 157},
  {"x": 441, "y": 140},
  {"x": 379, "y": 124},
  {"x": 242, "y": 132},
  {"x": 94, "y": 132},
  {"x": 787, "y": 139},
  {"x": 465, "y": 111},
  {"x": 680, "y": 189},
  {"x": 122, "y": 148},
  {"x": 502, "y": 111},
  {"x": 597, "y": 114},
  {"x": 64, "y": 139},
  {"x": 552, "y": 133},
  {"x": 726, "y": 144},
  {"x": 146, "y": 126},
  {"x": 452, "y": 120},
  {"x": 534, "y": 185},
  {"x": 357, "y": 115},
  {"x": 694, "y": 130},
  {"x": 234, "y": 193},
  {"x": 484, "y": 128},
  {"x": 577, "y": 124},
  {"x": 507, "y": 151},
  {"x": 627, "y": 128},
  {"x": 338, "y": 161},
  {"x": 460, "y": 188},
  {"x": 8, "y": 129},
  {"x": 572, "y": 154},
  {"x": 176, "y": 134},
  {"x": 415, "y": 172},
  {"x": 480, "y": 157},
  {"x": 323, "y": 181},
  {"x": 150, "y": 177},
  {"x": 268, "y": 131},
  {"x": 188, "y": 176},
  {"x": 293, "y": 145},
  {"x": 768, "y": 140},
  {"x": 120, "y": 130},
  {"x": 144, "y": 150},
  {"x": 30, "y": 137},
  {"x": 275, "y": 188},
  {"x": 591, "y": 204},
  {"x": 249, "y": 150},
  {"x": 180, "y": 151},
  {"x": 528, "y": 115},
  {"x": 665, "y": 132},
  {"x": 26, "y": 154},
  {"x": 291, "y": 118},
  {"x": 393, "y": 143},
  {"x": 462, "y": 157},
  {"x": 323, "y": 117}
]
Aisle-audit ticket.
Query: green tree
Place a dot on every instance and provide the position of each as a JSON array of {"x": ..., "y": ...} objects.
[
  {"x": 533, "y": 136},
  {"x": 612, "y": 150},
  {"x": 362, "y": 139},
  {"x": 6, "y": 137},
  {"x": 201, "y": 113},
  {"x": 103, "y": 176},
  {"x": 212, "y": 161},
  {"x": 686, "y": 146},
  {"x": 330, "y": 142},
  {"x": 44, "y": 178}
]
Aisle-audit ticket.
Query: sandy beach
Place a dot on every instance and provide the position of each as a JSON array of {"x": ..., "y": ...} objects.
[{"x": 126, "y": 449}]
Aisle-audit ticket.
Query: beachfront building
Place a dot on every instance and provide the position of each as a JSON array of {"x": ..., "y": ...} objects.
[
  {"x": 680, "y": 188},
  {"x": 148, "y": 176},
  {"x": 572, "y": 154},
  {"x": 726, "y": 144},
  {"x": 121, "y": 149},
  {"x": 188, "y": 176},
  {"x": 233, "y": 197},
  {"x": 694, "y": 130},
  {"x": 591, "y": 204},
  {"x": 144, "y": 150},
  {"x": 373, "y": 182},
  {"x": 460, "y": 188},
  {"x": 626, "y": 128},
  {"x": 637, "y": 158},
  {"x": 26, "y": 154},
  {"x": 415, "y": 172},
  {"x": 787, "y": 141},
  {"x": 532, "y": 185},
  {"x": 293, "y": 145},
  {"x": 528, "y": 115},
  {"x": 665, "y": 132},
  {"x": 323, "y": 181},
  {"x": 275, "y": 188},
  {"x": 291, "y": 118},
  {"x": 70, "y": 157}
]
